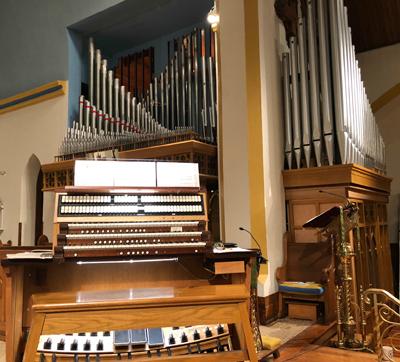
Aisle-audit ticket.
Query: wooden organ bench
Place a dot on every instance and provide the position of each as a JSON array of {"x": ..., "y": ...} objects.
[
  {"x": 56, "y": 313},
  {"x": 307, "y": 276}
]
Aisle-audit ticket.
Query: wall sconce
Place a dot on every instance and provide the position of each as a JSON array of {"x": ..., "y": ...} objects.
[{"x": 213, "y": 18}]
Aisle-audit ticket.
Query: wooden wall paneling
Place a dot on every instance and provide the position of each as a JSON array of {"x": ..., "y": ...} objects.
[
  {"x": 369, "y": 190},
  {"x": 147, "y": 69},
  {"x": 125, "y": 72},
  {"x": 139, "y": 74},
  {"x": 132, "y": 74},
  {"x": 118, "y": 70}
]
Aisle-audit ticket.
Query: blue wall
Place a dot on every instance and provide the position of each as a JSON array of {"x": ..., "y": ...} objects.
[{"x": 34, "y": 41}]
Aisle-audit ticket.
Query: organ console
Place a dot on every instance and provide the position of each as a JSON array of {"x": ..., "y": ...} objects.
[
  {"x": 126, "y": 223},
  {"x": 109, "y": 240}
]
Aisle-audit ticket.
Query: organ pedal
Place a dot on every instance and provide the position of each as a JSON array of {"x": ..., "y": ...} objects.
[{"x": 54, "y": 314}]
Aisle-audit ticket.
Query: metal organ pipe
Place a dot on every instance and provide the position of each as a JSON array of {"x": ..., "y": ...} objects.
[{"x": 325, "y": 86}]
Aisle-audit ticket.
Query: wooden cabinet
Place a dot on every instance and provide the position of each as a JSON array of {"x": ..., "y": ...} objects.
[{"x": 369, "y": 189}]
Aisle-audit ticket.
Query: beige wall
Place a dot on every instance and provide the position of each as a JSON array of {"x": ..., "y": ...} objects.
[
  {"x": 234, "y": 153},
  {"x": 272, "y": 43},
  {"x": 388, "y": 119},
  {"x": 380, "y": 70},
  {"x": 235, "y": 129},
  {"x": 34, "y": 130}
]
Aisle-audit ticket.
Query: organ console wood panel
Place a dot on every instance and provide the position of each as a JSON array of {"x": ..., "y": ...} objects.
[
  {"x": 59, "y": 312},
  {"x": 369, "y": 189}
]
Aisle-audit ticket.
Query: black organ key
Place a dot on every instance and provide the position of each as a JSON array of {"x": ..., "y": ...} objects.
[
  {"x": 47, "y": 344},
  {"x": 184, "y": 338},
  {"x": 106, "y": 333},
  {"x": 121, "y": 338},
  {"x": 100, "y": 345},
  {"x": 155, "y": 337},
  {"x": 171, "y": 339},
  {"x": 86, "y": 346},
  {"x": 208, "y": 332},
  {"x": 82, "y": 334},
  {"x": 74, "y": 345},
  {"x": 93, "y": 334},
  {"x": 61, "y": 345},
  {"x": 138, "y": 337},
  {"x": 220, "y": 329},
  {"x": 196, "y": 335}
]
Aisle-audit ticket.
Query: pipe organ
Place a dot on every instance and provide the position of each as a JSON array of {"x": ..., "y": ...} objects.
[
  {"x": 180, "y": 102},
  {"x": 327, "y": 115}
]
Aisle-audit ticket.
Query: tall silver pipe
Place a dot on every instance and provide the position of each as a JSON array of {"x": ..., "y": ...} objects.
[
  {"x": 156, "y": 99},
  {"x": 343, "y": 80},
  {"x": 106, "y": 124},
  {"x": 116, "y": 97},
  {"x": 326, "y": 93},
  {"x": 93, "y": 119},
  {"x": 134, "y": 119},
  {"x": 213, "y": 120},
  {"x": 167, "y": 93},
  {"x": 100, "y": 121},
  {"x": 314, "y": 81},
  {"x": 103, "y": 105},
  {"x": 91, "y": 69},
  {"x": 337, "y": 80},
  {"x": 122, "y": 103},
  {"x": 87, "y": 115},
  {"x": 287, "y": 109},
  {"x": 172, "y": 92},
  {"x": 183, "y": 81},
  {"x": 162, "y": 99},
  {"x": 177, "y": 90},
  {"x": 304, "y": 98},
  {"x": 81, "y": 107},
  {"x": 110, "y": 81},
  {"x": 98, "y": 68},
  {"x": 295, "y": 102},
  {"x": 204, "y": 80},
  {"x": 128, "y": 111},
  {"x": 189, "y": 77}
]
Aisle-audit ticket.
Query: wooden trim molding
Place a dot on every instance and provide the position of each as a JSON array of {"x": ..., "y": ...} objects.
[
  {"x": 349, "y": 174},
  {"x": 33, "y": 96},
  {"x": 385, "y": 98},
  {"x": 255, "y": 131}
]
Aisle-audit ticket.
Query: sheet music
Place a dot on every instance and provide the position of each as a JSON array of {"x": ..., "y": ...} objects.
[
  {"x": 177, "y": 174},
  {"x": 115, "y": 173}
]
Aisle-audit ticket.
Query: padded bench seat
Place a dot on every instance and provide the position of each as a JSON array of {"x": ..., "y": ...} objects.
[{"x": 310, "y": 288}]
